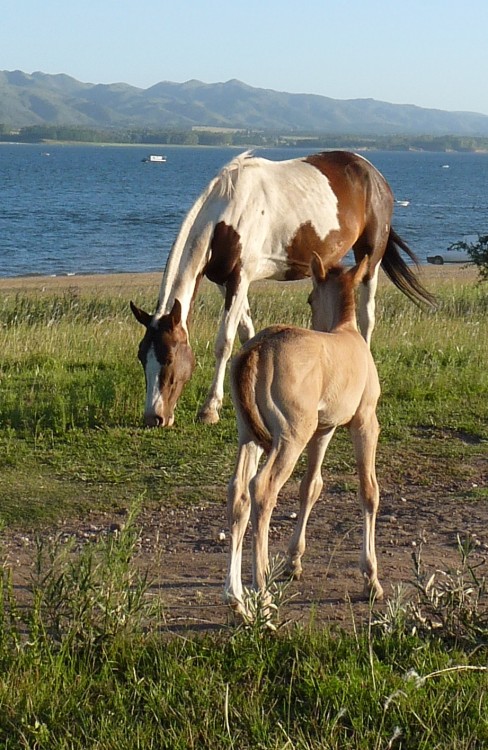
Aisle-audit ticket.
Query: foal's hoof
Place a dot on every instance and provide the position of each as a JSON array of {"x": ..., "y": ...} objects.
[
  {"x": 373, "y": 590},
  {"x": 291, "y": 574}
]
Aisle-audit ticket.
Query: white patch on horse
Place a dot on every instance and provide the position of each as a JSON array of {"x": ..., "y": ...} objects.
[
  {"x": 153, "y": 393},
  {"x": 288, "y": 195}
]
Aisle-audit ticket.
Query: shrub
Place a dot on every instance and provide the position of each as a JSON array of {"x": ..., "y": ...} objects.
[{"x": 478, "y": 252}]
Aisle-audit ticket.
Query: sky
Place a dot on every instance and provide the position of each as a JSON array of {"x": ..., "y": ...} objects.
[{"x": 432, "y": 53}]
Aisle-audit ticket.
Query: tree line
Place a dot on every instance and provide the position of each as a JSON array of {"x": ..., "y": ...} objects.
[{"x": 243, "y": 138}]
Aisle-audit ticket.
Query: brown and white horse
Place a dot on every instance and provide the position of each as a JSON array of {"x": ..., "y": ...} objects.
[
  {"x": 292, "y": 388},
  {"x": 261, "y": 219}
]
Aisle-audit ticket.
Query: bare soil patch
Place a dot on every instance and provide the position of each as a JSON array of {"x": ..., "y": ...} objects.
[{"x": 183, "y": 548}]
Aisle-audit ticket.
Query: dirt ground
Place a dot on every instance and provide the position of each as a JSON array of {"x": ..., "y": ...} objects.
[{"x": 185, "y": 548}]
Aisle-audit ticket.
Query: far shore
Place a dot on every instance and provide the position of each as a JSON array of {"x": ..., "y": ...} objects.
[{"x": 125, "y": 282}]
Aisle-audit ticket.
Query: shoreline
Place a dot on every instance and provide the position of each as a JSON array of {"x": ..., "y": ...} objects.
[{"x": 148, "y": 280}]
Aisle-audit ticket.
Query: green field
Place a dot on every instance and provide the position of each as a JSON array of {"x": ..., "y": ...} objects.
[{"x": 86, "y": 665}]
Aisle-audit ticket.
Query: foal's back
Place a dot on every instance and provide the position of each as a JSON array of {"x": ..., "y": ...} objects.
[{"x": 290, "y": 379}]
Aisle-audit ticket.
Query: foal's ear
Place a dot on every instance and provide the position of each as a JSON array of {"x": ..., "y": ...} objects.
[
  {"x": 360, "y": 270},
  {"x": 175, "y": 313},
  {"x": 140, "y": 315},
  {"x": 317, "y": 267}
]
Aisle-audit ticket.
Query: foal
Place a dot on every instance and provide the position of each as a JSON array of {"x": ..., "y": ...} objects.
[{"x": 291, "y": 388}]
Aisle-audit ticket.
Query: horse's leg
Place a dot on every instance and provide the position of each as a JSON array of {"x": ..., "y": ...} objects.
[
  {"x": 310, "y": 489},
  {"x": 245, "y": 327},
  {"x": 209, "y": 413},
  {"x": 264, "y": 494},
  {"x": 367, "y": 304},
  {"x": 364, "y": 430},
  {"x": 238, "y": 510}
]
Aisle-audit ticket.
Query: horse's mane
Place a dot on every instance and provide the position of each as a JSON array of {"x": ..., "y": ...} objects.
[
  {"x": 227, "y": 178},
  {"x": 223, "y": 185}
]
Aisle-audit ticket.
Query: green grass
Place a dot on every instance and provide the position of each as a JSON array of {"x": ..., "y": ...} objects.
[
  {"x": 71, "y": 397},
  {"x": 85, "y": 664}
]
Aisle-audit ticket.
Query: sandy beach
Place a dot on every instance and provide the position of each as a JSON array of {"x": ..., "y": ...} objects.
[{"x": 120, "y": 283}]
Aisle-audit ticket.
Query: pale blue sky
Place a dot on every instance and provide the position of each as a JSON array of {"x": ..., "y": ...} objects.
[{"x": 433, "y": 53}]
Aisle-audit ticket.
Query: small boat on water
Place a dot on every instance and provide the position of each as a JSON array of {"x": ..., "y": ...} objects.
[
  {"x": 402, "y": 203},
  {"x": 155, "y": 158}
]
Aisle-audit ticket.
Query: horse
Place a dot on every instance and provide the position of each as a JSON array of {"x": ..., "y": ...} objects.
[
  {"x": 262, "y": 219},
  {"x": 291, "y": 388}
]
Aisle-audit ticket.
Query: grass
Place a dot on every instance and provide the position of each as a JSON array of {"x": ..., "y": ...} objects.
[
  {"x": 71, "y": 395},
  {"x": 85, "y": 665}
]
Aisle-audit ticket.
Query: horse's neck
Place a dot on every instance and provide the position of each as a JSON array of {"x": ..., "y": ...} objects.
[
  {"x": 180, "y": 281},
  {"x": 187, "y": 260}
]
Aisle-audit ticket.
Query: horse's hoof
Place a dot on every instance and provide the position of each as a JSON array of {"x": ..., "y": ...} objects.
[{"x": 208, "y": 416}]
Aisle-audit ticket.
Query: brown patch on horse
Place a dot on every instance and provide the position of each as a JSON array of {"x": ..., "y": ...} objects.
[
  {"x": 351, "y": 196},
  {"x": 305, "y": 243},
  {"x": 365, "y": 203},
  {"x": 224, "y": 266}
]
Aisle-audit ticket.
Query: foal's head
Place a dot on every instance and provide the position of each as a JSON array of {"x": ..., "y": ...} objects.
[
  {"x": 168, "y": 363},
  {"x": 332, "y": 296}
]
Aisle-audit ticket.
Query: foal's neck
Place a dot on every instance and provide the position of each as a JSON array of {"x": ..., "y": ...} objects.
[{"x": 340, "y": 308}]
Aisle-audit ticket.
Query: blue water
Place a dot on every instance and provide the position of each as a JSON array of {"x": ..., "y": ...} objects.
[{"x": 100, "y": 209}]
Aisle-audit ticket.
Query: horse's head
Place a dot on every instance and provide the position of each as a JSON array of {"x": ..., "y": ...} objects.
[{"x": 168, "y": 363}]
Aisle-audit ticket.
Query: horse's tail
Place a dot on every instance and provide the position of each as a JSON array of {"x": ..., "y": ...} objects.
[
  {"x": 399, "y": 272},
  {"x": 243, "y": 384}
]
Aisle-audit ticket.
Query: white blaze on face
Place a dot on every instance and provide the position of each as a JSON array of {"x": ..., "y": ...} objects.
[{"x": 153, "y": 394}]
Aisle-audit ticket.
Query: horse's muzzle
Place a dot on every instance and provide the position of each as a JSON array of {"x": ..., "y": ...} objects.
[{"x": 155, "y": 420}]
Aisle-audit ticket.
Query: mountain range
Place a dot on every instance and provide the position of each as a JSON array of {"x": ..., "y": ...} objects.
[{"x": 42, "y": 99}]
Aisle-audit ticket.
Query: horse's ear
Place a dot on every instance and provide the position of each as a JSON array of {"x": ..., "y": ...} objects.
[
  {"x": 140, "y": 315},
  {"x": 175, "y": 313},
  {"x": 317, "y": 268},
  {"x": 359, "y": 271}
]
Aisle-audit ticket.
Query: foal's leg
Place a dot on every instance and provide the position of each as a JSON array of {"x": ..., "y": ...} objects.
[
  {"x": 231, "y": 318},
  {"x": 367, "y": 305},
  {"x": 310, "y": 489},
  {"x": 364, "y": 431},
  {"x": 238, "y": 510},
  {"x": 264, "y": 494}
]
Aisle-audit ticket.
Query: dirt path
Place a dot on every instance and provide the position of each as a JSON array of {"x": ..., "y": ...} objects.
[{"x": 185, "y": 551}]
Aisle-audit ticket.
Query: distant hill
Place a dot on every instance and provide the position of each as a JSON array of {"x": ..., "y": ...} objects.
[{"x": 41, "y": 99}]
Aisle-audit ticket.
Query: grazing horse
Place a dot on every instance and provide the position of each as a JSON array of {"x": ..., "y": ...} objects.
[
  {"x": 292, "y": 387},
  {"x": 261, "y": 219}
]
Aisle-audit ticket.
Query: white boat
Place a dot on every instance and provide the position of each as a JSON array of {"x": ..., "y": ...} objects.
[
  {"x": 402, "y": 203},
  {"x": 155, "y": 158}
]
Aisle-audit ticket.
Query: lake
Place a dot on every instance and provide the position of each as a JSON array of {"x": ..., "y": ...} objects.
[{"x": 75, "y": 209}]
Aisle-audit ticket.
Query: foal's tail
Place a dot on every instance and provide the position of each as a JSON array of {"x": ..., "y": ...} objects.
[
  {"x": 243, "y": 386},
  {"x": 400, "y": 274}
]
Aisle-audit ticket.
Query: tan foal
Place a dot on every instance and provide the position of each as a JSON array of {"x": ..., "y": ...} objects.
[{"x": 292, "y": 387}]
